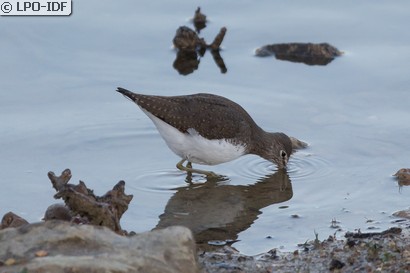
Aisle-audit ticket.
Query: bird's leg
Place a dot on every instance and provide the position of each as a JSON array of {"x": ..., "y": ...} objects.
[
  {"x": 189, "y": 169},
  {"x": 180, "y": 166}
]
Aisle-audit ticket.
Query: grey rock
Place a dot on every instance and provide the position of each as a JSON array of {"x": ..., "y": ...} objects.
[
  {"x": 58, "y": 246},
  {"x": 57, "y": 212}
]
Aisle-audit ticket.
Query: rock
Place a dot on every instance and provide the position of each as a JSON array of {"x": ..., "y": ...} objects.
[
  {"x": 58, "y": 246},
  {"x": 12, "y": 220},
  {"x": 403, "y": 177},
  {"x": 57, "y": 212},
  {"x": 402, "y": 214},
  {"x": 308, "y": 53},
  {"x": 336, "y": 264}
]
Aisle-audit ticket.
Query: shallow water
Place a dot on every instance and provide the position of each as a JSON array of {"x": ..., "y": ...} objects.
[{"x": 58, "y": 109}]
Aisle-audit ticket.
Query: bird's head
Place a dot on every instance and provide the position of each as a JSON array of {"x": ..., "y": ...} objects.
[{"x": 280, "y": 150}]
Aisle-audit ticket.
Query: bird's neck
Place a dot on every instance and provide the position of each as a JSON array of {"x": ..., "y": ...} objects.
[
  {"x": 265, "y": 143},
  {"x": 261, "y": 140}
]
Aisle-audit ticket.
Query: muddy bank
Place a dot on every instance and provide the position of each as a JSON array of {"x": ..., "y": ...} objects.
[
  {"x": 388, "y": 251},
  {"x": 60, "y": 246}
]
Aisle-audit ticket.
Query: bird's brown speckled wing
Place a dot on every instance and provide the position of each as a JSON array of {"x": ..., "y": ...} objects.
[{"x": 214, "y": 116}]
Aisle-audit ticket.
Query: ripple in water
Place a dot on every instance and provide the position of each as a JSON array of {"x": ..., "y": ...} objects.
[
  {"x": 253, "y": 167},
  {"x": 305, "y": 165},
  {"x": 300, "y": 166},
  {"x": 160, "y": 181},
  {"x": 166, "y": 181}
]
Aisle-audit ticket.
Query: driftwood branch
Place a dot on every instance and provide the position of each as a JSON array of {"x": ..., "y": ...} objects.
[
  {"x": 216, "y": 44},
  {"x": 104, "y": 211},
  {"x": 186, "y": 39}
]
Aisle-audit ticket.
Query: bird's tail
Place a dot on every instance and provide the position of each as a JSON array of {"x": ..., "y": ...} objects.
[{"x": 134, "y": 97}]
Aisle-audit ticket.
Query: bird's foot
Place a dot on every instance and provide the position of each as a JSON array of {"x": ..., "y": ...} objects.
[{"x": 188, "y": 168}]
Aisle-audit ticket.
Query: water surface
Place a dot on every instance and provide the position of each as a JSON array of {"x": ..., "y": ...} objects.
[{"x": 59, "y": 109}]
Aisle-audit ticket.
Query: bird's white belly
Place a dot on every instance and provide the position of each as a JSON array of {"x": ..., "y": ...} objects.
[{"x": 195, "y": 148}]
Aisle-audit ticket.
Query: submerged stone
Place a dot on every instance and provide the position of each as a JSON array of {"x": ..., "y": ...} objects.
[{"x": 307, "y": 53}]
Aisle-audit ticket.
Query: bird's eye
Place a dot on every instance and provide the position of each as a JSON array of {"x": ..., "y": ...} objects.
[{"x": 283, "y": 153}]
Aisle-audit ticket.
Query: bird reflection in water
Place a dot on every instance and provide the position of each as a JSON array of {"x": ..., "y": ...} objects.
[{"x": 216, "y": 211}]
